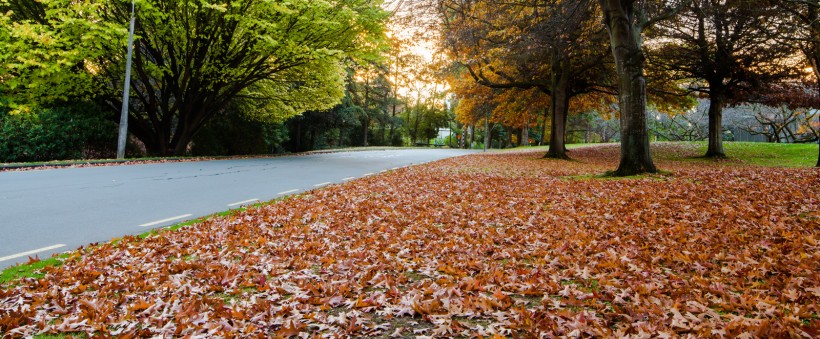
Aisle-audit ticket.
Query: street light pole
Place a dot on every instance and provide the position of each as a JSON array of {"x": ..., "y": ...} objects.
[{"x": 126, "y": 90}]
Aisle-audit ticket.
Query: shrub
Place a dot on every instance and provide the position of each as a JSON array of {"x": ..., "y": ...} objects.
[{"x": 55, "y": 134}]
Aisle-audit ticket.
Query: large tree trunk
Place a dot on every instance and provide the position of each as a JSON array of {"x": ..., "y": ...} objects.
[
  {"x": 625, "y": 40},
  {"x": 524, "y": 140},
  {"x": 544, "y": 128},
  {"x": 559, "y": 104},
  {"x": 716, "y": 100}
]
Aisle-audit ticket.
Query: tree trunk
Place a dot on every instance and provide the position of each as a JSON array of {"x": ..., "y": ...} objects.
[
  {"x": 625, "y": 39},
  {"x": 560, "y": 106},
  {"x": 392, "y": 124},
  {"x": 472, "y": 136},
  {"x": 524, "y": 140},
  {"x": 508, "y": 139},
  {"x": 815, "y": 63},
  {"x": 544, "y": 128},
  {"x": 487, "y": 133},
  {"x": 365, "y": 128},
  {"x": 716, "y": 100},
  {"x": 181, "y": 141}
]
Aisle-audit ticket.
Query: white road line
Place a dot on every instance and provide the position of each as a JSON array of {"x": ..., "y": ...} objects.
[
  {"x": 367, "y": 174},
  {"x": 243, "y": 202},
  {"x": 165, "y": 220},
  {"x": 322, "y": 184},
  {"x": 349, "y": 178},
  {"x": 286, "y": 192},
  {"x": 23, "y": 254}
]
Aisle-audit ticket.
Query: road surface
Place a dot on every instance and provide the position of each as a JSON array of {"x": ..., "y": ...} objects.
[{"x": 56, "y": 210}]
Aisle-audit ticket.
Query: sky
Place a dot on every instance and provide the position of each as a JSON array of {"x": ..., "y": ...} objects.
[{"x": 419, "y": 41}]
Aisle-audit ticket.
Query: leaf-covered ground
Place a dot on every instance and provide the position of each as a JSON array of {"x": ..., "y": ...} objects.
[{"x": 503, "y": 244}]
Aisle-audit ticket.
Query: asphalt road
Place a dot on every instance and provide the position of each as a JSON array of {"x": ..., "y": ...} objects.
[{"x": 56, "y": 210}]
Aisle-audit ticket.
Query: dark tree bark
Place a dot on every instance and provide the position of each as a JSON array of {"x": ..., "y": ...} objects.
[
  {"x": 716, "y": 102},
  {"x": 544, "y": 128},
  {"x": 560, "y": 107},
  {"x": 625, "y": 38}
]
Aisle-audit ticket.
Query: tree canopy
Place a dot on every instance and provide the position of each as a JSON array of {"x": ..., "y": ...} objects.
[
  {"x": 725, "y": 50},
  {"x": 553, "y": 46},
  {"x": 192, "y": 57}
]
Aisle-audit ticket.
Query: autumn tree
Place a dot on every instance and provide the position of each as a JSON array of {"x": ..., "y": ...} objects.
[
  {"x": 804, "y": 17},
  {"x": 725, "y": 50},
  {"x": 626, "y": 21},
  {"x": 519, "y": 108},
  {"x": 786, "y": 112},
  {"x": 514, "y": 108},
  {"x": 475, "y": 103},
  {"x": 192, "y": 58},
  {"x": 552, "y": 46}
]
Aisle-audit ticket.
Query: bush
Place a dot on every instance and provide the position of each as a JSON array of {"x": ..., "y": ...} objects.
[{"x": 54, "y": 134}]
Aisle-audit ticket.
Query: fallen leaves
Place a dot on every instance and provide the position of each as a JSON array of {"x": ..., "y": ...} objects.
[{"x": 486, "y": 245}]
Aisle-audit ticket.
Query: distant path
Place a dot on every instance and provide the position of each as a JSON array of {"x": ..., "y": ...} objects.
[{"x": 56, "y": 210}]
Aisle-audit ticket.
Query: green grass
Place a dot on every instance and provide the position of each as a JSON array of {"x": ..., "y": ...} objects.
[
  {"x": 30, "y": 270},
  {"x": 766, "y": 154},
  {"x": 761, "y": 154}
]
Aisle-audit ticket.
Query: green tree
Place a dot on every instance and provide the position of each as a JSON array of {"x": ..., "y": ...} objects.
[
  {"x": 370, "y": 90},
  {"x": 192, "y": 58}
]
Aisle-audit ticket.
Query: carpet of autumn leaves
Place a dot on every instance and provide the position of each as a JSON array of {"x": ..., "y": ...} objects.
[{"x": 503, "y": 244}]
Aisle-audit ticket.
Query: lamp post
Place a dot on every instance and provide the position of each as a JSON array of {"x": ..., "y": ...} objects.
[{"x": 126, "y": 90}]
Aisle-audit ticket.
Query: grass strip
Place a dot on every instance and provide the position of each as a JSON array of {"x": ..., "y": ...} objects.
[{"x": 34, "y": 270}]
